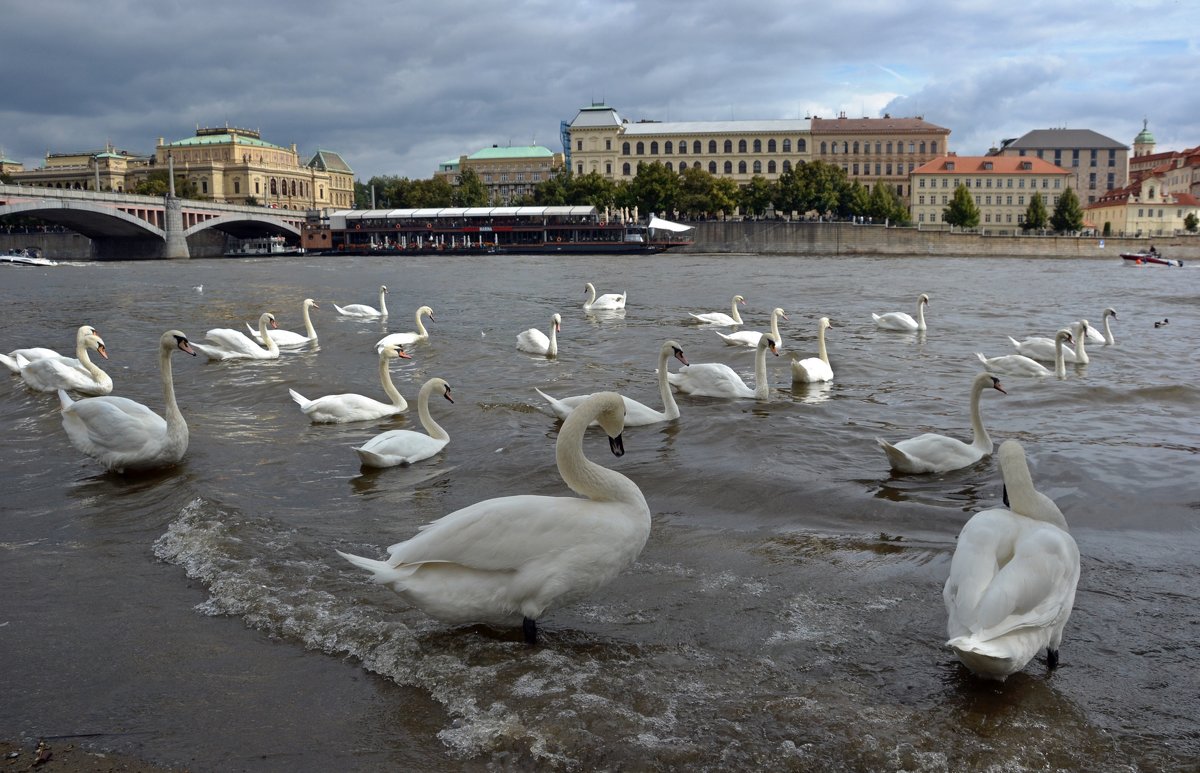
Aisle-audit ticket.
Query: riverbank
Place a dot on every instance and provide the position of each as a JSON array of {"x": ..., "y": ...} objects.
[{"x": 66, "y": 757}]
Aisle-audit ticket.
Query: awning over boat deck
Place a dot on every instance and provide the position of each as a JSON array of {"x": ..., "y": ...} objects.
[
  {"x": 658, "y": 224},
  {"x": 437, "y": 213}
]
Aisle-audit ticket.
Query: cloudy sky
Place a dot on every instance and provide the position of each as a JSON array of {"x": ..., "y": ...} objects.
[{"x": 397, "y": 87}]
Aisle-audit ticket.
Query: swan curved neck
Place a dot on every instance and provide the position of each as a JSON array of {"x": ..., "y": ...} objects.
[
  {"x": 762, "y": 389},
  {"x": 421, "y": 331},
  {"x": 775, "y": 326},
  {"x": 582, "y": 475},
  {"x": 383, "y": 301},
  {"x": 1060, "y": 363},
  {"x": 821, "y": 352},
  {"x": 176, "y": 426},
  {"x": 1081, "y": 355},
  {"x": 670, "y": 407},
  {"x": 981, "y": 439},
  {"x": 81, "y": 354},
  {"x": 1108, "y": 335},
  {"x": 733, "y": 312},
  {"x": 1023, "y": 498},
  {"x": 309, "y": 330},
  {"x": 920, "y": 315},
  {"x": 267, "y": 340},
  {"x": 385, "y": 378},
  {"x": 553, "y": 350},
  {"x": 433, "y": 429}
]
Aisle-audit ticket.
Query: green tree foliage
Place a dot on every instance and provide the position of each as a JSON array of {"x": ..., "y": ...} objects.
[
  {"x": 815, "y": 188},
  {"x": 592, "y": 188},
  {"x": 962, "y": 211},
  {"x": 757, "y": 195},
  {"x": 885, "y": 205},
  {"x": 156, "y": 184},
  {"x": 470, "y": 192},
  {"x": 1036, "y": 216},
  {"x": 1191, "y": 222},
  {"x": 654, "y": 189},
  {"x": 1068, "y": 214},
  {"x": 857, "y": 200}
]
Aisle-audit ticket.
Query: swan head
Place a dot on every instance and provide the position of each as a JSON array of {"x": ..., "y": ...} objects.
[
  {"x": 426, "y": 311},
  {"x": 588, "y": 287},
  {"x": 611, "y": 419},
  {"x": 268, "y": 318},
  {"x": 557, "y": 320},
  {"x": 84, "y": 331},
  {"x": 309, "y": 303},
  {"x": 768, "y": 341},
  {"x": 96, "y": 344},
  {"x": 778, "y": 312},
  {"x": 739, "y": 300},
  {"x": 1082, "y": 326},
  {"x": 676, "y": 350},
  {"x": 383, "y": 288},
  {"x": 445, "y": 386},
  {"x": 393, "y": 352},
  {"x": 992, "y": 381},
  {"x": 175, "y": 339},
  {"x": 1064, "y": 336},
  {"x": 1110, "y": 312},
  {"x": 823, "y": 323},
  {"x": 923, "y": 299}
]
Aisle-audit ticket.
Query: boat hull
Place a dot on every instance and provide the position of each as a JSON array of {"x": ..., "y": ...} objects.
[{"x": 1150, "y": 258}]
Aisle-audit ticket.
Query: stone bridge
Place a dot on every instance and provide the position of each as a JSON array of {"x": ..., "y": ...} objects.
[{"x": 125, "y": 226}]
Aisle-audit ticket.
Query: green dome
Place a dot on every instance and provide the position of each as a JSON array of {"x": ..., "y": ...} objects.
[{"x": 1144, "y": 136}]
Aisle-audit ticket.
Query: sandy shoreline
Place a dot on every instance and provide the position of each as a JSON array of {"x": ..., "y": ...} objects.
[{"x": 65, "y": 756}]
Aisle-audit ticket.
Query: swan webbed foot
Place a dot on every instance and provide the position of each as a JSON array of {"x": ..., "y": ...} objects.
[
  {"x": 1051, "y": 659},
  {"x": 529, "y": 628}
]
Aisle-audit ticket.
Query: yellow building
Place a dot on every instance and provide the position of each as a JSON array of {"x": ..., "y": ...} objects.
[
  {"x": 1144, "y": 208},
  {"x": 507, "y": 172},
  {"x": 879, "y": 150},
  {"x": 104, "y": 170},
  {"x": 9, "y": 166},
  {"x": 1002, "y": 187}
]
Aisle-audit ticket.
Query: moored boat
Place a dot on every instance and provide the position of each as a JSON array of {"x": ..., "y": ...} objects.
[{"x": 271, "y": 245}]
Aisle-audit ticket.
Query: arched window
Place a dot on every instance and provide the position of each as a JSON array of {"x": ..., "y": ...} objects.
[
  {"x": 787, "y": 165},
  {"x": 933, "y": 147},
  {"x": 274, "y": 187},
  {"x": 668, "y": 148},
  {"x": 757, "y": 166},
  {"x": 787, "y": 146},
  {"x": 625, "y": 149},
  {"x": 912, "y": 147},
  {"x": 771, "y": 166},
  {"x": 695, "y": 165},
  {"x": 654, "y": 148},
  {"x": 889, "y": 147},
  {"x": 741, "y": 146},
  {"x": 625, "y": 169},
  {"x": 728, "y": 167},
  {"x": 696, "y": 148},
  {"x": 770, "y": 146},
  {"x": 641, "y": 148},
  {"x": 823, "y": 148},
  {"x": 667, "y": 164},
  {"x": 712, "y": 147},
  {"x": 801, "y": 145},
  {"x": 293, "y": 187},
  {"x": 728, "y": 146},
  {"x": 758, "y": 146},
  {"x": 741, "y": 167},
  {"x": 712, "y": 167}
]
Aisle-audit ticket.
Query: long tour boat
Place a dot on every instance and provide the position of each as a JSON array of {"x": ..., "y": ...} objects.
[{"x": 503, "y": 230}]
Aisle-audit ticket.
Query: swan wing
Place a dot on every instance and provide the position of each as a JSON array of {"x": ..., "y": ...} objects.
[
  {"x": 51, "y": 374},
  {"x": 1036, "y": 588},
  {"x": 533, "y": 340},
  {"x": 714, "y": 318},
  {"x": 811, "y": 370},
  {"x": 895, "y": 320},
  {"x": 1014, "y": 365},
  {"x": 709, "y": 379},
  {"x": 107, "y": 426},
  {"x": 742, "y": 338},
  {"x": 357, "y": 310},
  {"x": 402, "y": 339},
  {"x": 930, "y": 452},
  {"x": 397, "y": 447},
  {"x": 562, "y": 406},
  {"x": 339, "y": 409}
]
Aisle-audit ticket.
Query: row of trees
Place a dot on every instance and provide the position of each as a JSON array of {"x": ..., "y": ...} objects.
[{"x": 1066, "y": 218}]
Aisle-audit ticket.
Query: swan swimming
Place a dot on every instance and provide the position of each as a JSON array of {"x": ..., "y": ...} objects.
[
  {"x": 51, "y": 374},
  {"x": 899, "y": 320},
  {"x": 347, "y": 407},
  {"x": 125, "y": 435},
  {"x": 716, "y": 379},
  {"x": 1046, "y": 350},
  {"x": 1012, "y": 578},
  {"x": 636, "y": 414},
  {"x": 19, "y": 358},
  {"x": 750, "y": 337},
  {"x": 1105, "y": 338},
  {"x": 287, "y": 337},
  {"x": 931, "y": 452},
  {"x": 362, "y": 310},
  {"x": 403, "y": 446},
  {"x": 535, "y": 341},
  {"x": 509, "y": 560},
  {"x": 1020, "y": 365},
  {"x": 734, "y": 317},
  {"x": 604, "y": 302},
  {"x": 811, "y": 370},
  {"x": 406, "y": 339},
  {"x": 229, "y": 344}
]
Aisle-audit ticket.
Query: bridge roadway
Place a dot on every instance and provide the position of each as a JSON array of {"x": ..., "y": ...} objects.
[{"x": 125, "y": 226}]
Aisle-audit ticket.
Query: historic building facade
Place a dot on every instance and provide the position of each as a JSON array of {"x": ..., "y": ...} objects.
[
  {"x": 1146, "y": 207},
  {"x": 870, "y": 150},
  {"x": 1097, "y": 163},
  {"x": 507, "y": 172},
  {"x": 1001, "y": 186}
]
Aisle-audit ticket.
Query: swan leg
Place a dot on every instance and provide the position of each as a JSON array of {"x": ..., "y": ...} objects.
[
  {"x": 529, "y": 627},
  {"x": 1051, "y": 659}
]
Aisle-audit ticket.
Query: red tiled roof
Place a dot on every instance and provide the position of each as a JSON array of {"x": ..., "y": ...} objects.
[{"x": 999, "y": 165}]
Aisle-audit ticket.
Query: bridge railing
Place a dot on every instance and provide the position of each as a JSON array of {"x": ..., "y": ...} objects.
[{"x": 76, "y": 194}]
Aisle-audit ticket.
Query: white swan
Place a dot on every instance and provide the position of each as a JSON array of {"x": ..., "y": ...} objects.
[
  {"x": 715, "y": 379},
  {"x": 363, "y": 311},
  {"x": 937, "y": 453},
  {"x": 287, "y": 337},
  {"x": 1020, "y": 365},
  {"x": 535, "y": 341},
  {"x": 339, "y": 409},
  {"x": 814, "y": 369},
  {"x": 1012, "y": 579},
  {"x": 1105, "y": 338},
  {"x": 606, "y": 301},
  {"x": 508, "y": 560},
  {"x": 19, "y": 358},
  {"x": 734, "y": 317},
  {"x": 899, "y": 320},
  {"x": 751, "y": 337},
  {"x": 51, "y": 374},
  {"x": 405, "y": 339},
  {"x": 229, "y": 344},
  {"x": 403, "y": 446},
  {"x": 1045, "y": 349},
  {"x": 125, "y": 435},
  {"x": 636, "y": 414}
]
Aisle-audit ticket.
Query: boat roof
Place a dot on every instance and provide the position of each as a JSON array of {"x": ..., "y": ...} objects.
[{"x": 453, "y": 212}]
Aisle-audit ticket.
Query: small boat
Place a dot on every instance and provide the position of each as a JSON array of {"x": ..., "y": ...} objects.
[
  {"x": 1155, "y": 257},
  {"x": 274, "y": 245},
  {"x": 25, "y": 258}
]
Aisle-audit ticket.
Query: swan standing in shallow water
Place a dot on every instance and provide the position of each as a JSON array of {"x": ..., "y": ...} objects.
[
  {"x": 636, "y": 414},
  {"x": 229, "y": 344},
  {"x": 19, "y": 358},
  {"x": 716, "y": 379},
  {"x": 814, "y": 369},
  {"x": 287, "y": 337},
  {"x": 125, "y": 435},
  {"x": 899, "y": 320},
  {"x": 751, "y": 337},
  {"x": 607, "y": 301},
  {"x": 363, "y": 311},
  {"x": 1105, "y": 338},
  {"x": 508, "y": 560},
  {"x": 734, "y": 317},
  {"x": 535, "y": 341},
  {"x": 937, "y": 453},
  {"x": 1012, "y": 579},
  {"x": 405, "y": 339},
  {"x": 1046, "y": 350},
  {"x": 403, "y": 446},
  {"x": 339, "y": 409},
  {"x": 1020, "y": 365},
  {"x": 51, "y": 374}
]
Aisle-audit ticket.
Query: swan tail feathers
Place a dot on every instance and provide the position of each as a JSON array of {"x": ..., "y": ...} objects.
[
  {"x": 1014, "y": 341},
  {"x": 899, "y": 461},
  {"x": 372, "y": 459},
  {"x": 383, "y": 572},
  {"x": 64, "y": 400},
  {"x": 981, "y": 357},
  {"x": 875, "y": 316},
  {"x": 300, "y": 399},
  {"x": 987, "y": 659}
]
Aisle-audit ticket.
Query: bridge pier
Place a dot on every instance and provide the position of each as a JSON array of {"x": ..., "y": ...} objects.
[{"x": 176, "y": 246}]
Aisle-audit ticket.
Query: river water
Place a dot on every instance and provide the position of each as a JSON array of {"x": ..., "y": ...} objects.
[{"x": 786, "y": 612}]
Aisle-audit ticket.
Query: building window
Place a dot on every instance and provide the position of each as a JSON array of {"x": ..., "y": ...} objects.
[
  {"x": 608, "y": 168},
  {"x": 579, "y": 145},
  {"x": 787, "y": 146},
  {"x": 625, "y": 149},
  {"x": 728, "y": 146},
  {"x": 889, "y": 147},
  {"x": 668, "y": 166},
  {"x": 822, "y": 148},
  {"x": 712, "y": 167},
  {"x": 608, "y": 144},
  {"x": 757, "y": 166},
  {"x": 770, "y": 146},
  {"x": 654, "y": 148},
  {"x": 640, "y": 148},
  {"x": 625, "y": 169},
  {"x": 758, "y": 146},
  {"x": 741, "y": 146},
  {"x": 878, "y": 148},
  {"x": 237, "y": 186},
  {"x": 855, "y": 168},
  {"x": 933, "y": 147},
  {"x": 741, "y": 167},
  {"x": 801, "y": 146},
  {"x": 787, "y": 165},
  {"x": 728, "y": 167},
  {"x": 579, "y": 169},
  {"x": 668, "y": 148}
]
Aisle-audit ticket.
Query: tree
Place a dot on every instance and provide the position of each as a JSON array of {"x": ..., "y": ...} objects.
[
  {"x": 1068, "y": 214},
  {"x": 757, "y": 195},
  {"x": 857, "y": 200},
  {"x": 1191, "y": 222},
  {"x": 724, "y": 196},
  {"x": 962, "y": 211},
  {"x": 654, "y": 189},
  {"x": 554, "y": 190},
  {"x": 696, "y": 192},
  {"x": 156, "y": 184},
  {"x": 1036, "y": 216},
  {"x": 592, "y": 188},
  {"x": 471, "y": 192},
  {"x": 884, "y": 204}
]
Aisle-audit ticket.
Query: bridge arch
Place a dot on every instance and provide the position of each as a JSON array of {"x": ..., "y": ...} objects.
[
  {"x": 245, "y": 226},
  {"x": 90, "y": 220}
]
